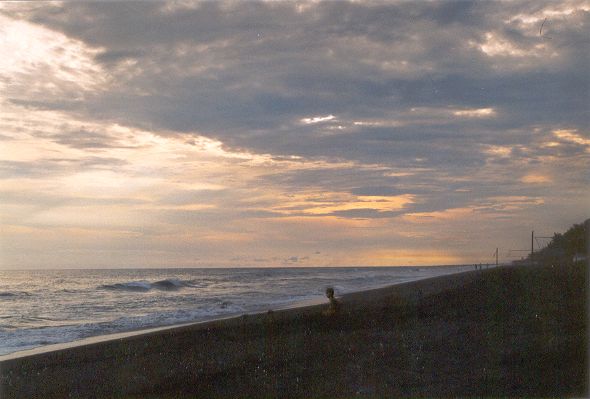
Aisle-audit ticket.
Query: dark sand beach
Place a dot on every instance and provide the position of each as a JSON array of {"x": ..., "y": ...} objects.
[{"x": 511, "y": 331}]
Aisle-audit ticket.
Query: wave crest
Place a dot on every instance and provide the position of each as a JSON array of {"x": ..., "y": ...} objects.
[
  {"x": 170, "y": 284},
  {"x": 7, "y": 294}
]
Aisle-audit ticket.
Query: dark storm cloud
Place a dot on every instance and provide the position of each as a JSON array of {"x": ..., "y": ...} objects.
[
  {"x": 339, "y": 179},
  {"x": 263, "y": 66},
  {"x": 247, "y": 73},
  {"x": 377, "y": 190}
]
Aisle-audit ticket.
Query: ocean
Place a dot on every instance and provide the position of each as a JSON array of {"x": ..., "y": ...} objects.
[{"x": 44, "y": 307}]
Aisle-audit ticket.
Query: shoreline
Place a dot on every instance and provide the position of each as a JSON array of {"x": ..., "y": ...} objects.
[
  {"x": 105, "y": 338},
  {"x": 139, "y": 332},
  {"x": 510, "y": 331}
]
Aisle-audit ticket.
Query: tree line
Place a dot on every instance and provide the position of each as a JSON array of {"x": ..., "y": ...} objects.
[{"x": 570, "y": 247}]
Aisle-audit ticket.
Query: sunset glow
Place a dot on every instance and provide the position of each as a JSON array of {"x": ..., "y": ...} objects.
[{"x": 157, "y": 134}]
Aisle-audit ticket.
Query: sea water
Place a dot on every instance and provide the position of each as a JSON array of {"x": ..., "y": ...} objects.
[{"x": 43, "y": 307}]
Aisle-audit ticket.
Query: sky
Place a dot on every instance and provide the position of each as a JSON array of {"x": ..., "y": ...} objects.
[{"x": 282, "y": 133}]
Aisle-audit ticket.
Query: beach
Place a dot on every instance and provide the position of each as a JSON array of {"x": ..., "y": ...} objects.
[{"x": 510, "y": 331}]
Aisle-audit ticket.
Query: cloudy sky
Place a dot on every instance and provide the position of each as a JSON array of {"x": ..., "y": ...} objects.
[{"x": 153, "y": 134}]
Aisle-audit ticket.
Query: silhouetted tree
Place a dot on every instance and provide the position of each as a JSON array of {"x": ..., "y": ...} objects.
[{"x": 567, "y": 247}]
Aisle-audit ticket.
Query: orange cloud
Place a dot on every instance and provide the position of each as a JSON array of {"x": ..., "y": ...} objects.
[
  {"x": 438, "y": 216},
  {"x": 536, "y": 179}
]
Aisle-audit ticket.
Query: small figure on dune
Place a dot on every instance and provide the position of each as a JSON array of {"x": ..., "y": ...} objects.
[{"x": 334, "y": 304}]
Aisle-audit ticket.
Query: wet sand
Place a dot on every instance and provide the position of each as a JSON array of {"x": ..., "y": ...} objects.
[{"x": 514, "y": 331}]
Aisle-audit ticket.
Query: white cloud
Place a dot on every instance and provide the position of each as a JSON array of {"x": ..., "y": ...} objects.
[
  {"x": 39, "y": 63},
  {"x": 317, "y": 119},
  {"x": 476, "y": 113},
  {"x": 572, "y": 136}
]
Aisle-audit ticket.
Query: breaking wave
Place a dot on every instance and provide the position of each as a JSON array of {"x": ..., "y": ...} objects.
[
  {"x": 171, "y": 284},
  {"x": 7, "y": 294}
]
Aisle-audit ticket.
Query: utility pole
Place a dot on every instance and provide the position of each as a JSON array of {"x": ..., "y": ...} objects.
[
  {"x": 496, "y": 257},
  {"x": 532, "y": 244}
]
